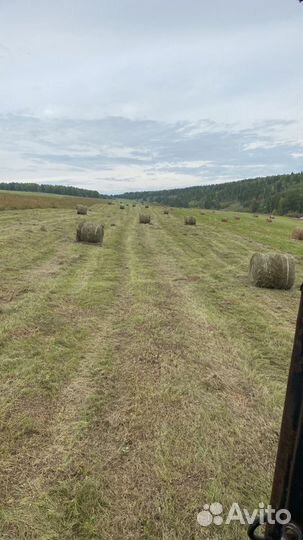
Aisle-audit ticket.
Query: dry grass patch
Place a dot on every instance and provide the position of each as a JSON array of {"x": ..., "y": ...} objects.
[{"x": 23, "y": 201}]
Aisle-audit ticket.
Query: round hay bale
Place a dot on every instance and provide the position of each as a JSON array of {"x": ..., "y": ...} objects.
[
  {"x": 269, "y": 220},
  {"x": 237, "y": 218},
  {"x": 297, "y": 234},
  {"x": 122, "y": 206},
  {"x": 165, "y": 212},
  {"x": 190, "y": 220},
  {"x": 146, "y": 206},
  {"x": 202, "y": 213},
  {"x": 255, "y": 215},
  {"x": 143, "y": 218},
  {"x": 272, "y": 271},
  {"x": 81, "y": 209},
  {"x": 91, "y": 233},
  {"x": 134, "y": 205},
  {"x": 225, "y": 220}
]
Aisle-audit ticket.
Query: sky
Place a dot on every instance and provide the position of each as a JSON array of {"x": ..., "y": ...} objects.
[{"x": 128, "y": 95}]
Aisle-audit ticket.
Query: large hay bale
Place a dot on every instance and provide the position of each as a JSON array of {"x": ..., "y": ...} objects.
[
  {"x": 143, "y": 218},
  {"x": 237, "y": 218},
  {"x": 225, "y": 220},
  {"x": 122, "y": 206},
  {"x": 273, "y": 271},
  {"x": 269, "y": 220},
  {"x": 297, "y": 234},
  {"x": 81, "y": 209},
  {"x": 190, "y": 220},
  {"x": 134, "y": 205},
  {"x": 165, "y": 212},
  {"x": 146, "y": 206},
  {"x": 91, "y": 233}
]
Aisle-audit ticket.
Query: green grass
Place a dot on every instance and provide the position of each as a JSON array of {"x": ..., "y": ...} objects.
[{"x": 139, "y": 380}]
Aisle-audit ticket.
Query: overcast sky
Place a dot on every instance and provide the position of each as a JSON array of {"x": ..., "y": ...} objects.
[{"x": 123, "y": 95}]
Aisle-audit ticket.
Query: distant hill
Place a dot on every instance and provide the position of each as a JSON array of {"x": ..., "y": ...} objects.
[
  {"x": 47, "y": 188},
  {"x": 281, "y": 194}
]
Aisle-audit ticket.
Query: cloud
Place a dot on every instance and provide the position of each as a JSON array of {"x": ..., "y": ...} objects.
[
  {"x": 114, "y": 153},
  {"x": 256, "y": 145},
  {"x": 123, "y": 94},
  {"x": 183, "y": 165}
]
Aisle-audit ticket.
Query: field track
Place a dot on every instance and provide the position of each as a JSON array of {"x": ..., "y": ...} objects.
[{"x": 139, "y": 380}]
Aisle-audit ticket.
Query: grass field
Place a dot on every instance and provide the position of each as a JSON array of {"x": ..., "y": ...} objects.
[
  {"x": 139, "y": 380},
  {"x": 21, "y": 200}
]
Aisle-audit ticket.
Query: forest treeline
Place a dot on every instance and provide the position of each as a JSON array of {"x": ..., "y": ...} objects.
[
  {"x": 47, "y": 188},
  {"x": 281, "y": 194}
]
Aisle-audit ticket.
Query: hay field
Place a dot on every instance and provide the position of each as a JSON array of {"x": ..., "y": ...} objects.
[
  {"x": 21, "y": 200},
  {"x": 141, "y": 379}
]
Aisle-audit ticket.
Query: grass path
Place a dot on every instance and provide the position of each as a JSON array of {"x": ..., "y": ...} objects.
[{"x": 138, "y": 380}]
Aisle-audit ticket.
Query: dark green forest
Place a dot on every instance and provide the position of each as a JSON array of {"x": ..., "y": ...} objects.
[
  {"x": 46, "y": 188},
  {"x": 281, "y": 194}
]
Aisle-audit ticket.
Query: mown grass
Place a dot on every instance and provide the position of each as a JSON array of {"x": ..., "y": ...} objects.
[{"x": 139, "y": 380}]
